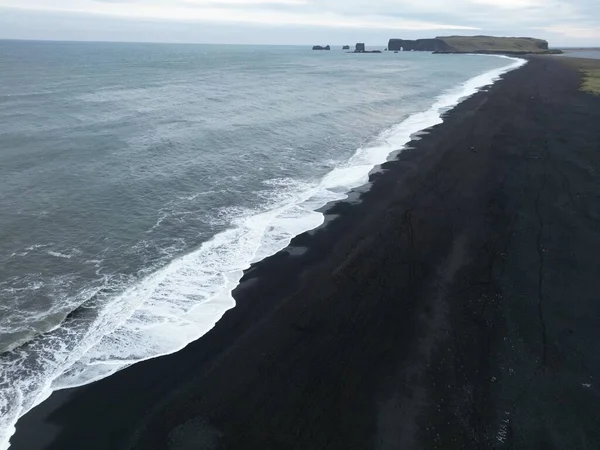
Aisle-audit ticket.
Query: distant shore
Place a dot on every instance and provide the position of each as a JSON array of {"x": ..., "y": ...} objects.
[
  {"x": 581, "y": 49},
  {"x": 453, "y": 306},
  {"x": 591, "y": 53}
]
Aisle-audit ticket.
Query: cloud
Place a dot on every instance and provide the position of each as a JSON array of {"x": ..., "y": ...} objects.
[
  {"x": 575, "y": 31},
  {"x": 296, "y": 12},
  {"x": 567, "y": 20},
  {"x": 246, "y": 2},
  {"x": 114, "y": 1}
]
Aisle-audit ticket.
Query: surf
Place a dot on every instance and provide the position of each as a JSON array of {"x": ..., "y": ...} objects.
[{"x": 183, "y": 300}]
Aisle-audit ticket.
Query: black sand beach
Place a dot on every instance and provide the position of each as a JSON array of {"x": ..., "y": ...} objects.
[{"x": 456, "y": 306}]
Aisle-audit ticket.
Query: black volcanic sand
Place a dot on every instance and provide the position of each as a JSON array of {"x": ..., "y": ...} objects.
[{"x": 456, "y": 307}]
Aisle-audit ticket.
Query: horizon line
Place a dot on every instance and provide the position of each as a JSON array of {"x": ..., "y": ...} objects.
[{"x": 94, "y": 41}]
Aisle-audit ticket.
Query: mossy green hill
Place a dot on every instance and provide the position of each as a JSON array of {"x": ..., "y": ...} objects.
[{"x": 474, "y": 44}]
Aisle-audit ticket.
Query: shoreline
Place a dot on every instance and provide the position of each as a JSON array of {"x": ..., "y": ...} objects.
[
  {"x": 402, "y": 134},
  {"x": 303, "y": 359}
]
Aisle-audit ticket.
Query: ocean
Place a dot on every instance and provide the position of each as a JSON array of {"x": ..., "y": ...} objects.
[
  {"x": 138, "y": 181},
  {"x": 590, "y": 54}
]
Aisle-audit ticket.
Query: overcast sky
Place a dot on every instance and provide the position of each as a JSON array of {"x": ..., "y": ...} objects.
[{"x": 562, "y": 22}]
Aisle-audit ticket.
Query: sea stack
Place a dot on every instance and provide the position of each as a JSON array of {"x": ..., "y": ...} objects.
[
  {"x": 361, "y": 48},
  {"x": 346, "y": 47},
  {"x": 319, "y": 47}
]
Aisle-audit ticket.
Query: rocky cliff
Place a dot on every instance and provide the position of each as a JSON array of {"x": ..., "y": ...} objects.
[
  {"x": 419, "y": 45},
  {"x": 472, "y": 44}
]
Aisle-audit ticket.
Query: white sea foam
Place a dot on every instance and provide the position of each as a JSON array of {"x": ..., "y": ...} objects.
[
  {"x": 37, "y": 246},
  {"x": 60, "y": 255},
  {"x": 182, "y": 301}
]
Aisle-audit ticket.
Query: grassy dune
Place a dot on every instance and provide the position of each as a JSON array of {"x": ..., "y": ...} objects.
[{"x": 590, "y": 68}]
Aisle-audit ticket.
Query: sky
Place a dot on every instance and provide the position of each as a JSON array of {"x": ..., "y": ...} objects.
[{"x": 302, "y": 22}]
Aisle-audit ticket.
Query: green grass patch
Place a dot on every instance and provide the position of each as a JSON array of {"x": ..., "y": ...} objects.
[
  {"x": 591, "y": 81},
  {"x": 590, "y": 70}
]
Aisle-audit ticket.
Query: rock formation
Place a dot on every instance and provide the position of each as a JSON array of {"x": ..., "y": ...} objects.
[
  {"x": 421, "y": 45},
  {"x": 472, "y": 44},
  {"x": 318, "y": 47},
  {"x": 346, "y": 47},
  {"x": 360, "y": 48}
]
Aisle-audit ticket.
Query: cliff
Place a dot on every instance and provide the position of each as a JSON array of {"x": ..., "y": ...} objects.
[
  {"x": 473, "y": 44},
  {"x": 419, "y": 45}
]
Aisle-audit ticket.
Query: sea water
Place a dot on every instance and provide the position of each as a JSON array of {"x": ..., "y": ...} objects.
[{"x": 138, "y": 181}]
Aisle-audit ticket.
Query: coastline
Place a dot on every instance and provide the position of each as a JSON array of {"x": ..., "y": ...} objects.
[
  {"x": 304, "y": 361},
  {"x": 353, "y": 176}
]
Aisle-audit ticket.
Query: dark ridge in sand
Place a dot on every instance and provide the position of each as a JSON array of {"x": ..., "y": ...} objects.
[{"x": 455, "y": 307}]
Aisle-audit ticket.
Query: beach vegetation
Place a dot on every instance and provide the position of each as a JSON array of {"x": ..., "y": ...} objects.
[
  {"x": 590, "y": 71},
  {"x": 591, "y": 81}
]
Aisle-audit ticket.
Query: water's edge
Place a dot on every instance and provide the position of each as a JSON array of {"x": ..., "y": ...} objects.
[{"x": 94, "y": 357}]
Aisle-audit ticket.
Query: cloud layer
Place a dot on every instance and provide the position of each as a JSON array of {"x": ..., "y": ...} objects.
[{"x": 574, "y": 22}]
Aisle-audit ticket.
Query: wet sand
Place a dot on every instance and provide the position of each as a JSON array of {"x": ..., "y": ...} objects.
[{"x": 456, "y": 305}]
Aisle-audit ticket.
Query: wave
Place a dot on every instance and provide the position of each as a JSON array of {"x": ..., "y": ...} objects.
[
  {"x": 60, "y": 255},
  {"x": 179, "y": 303}
]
